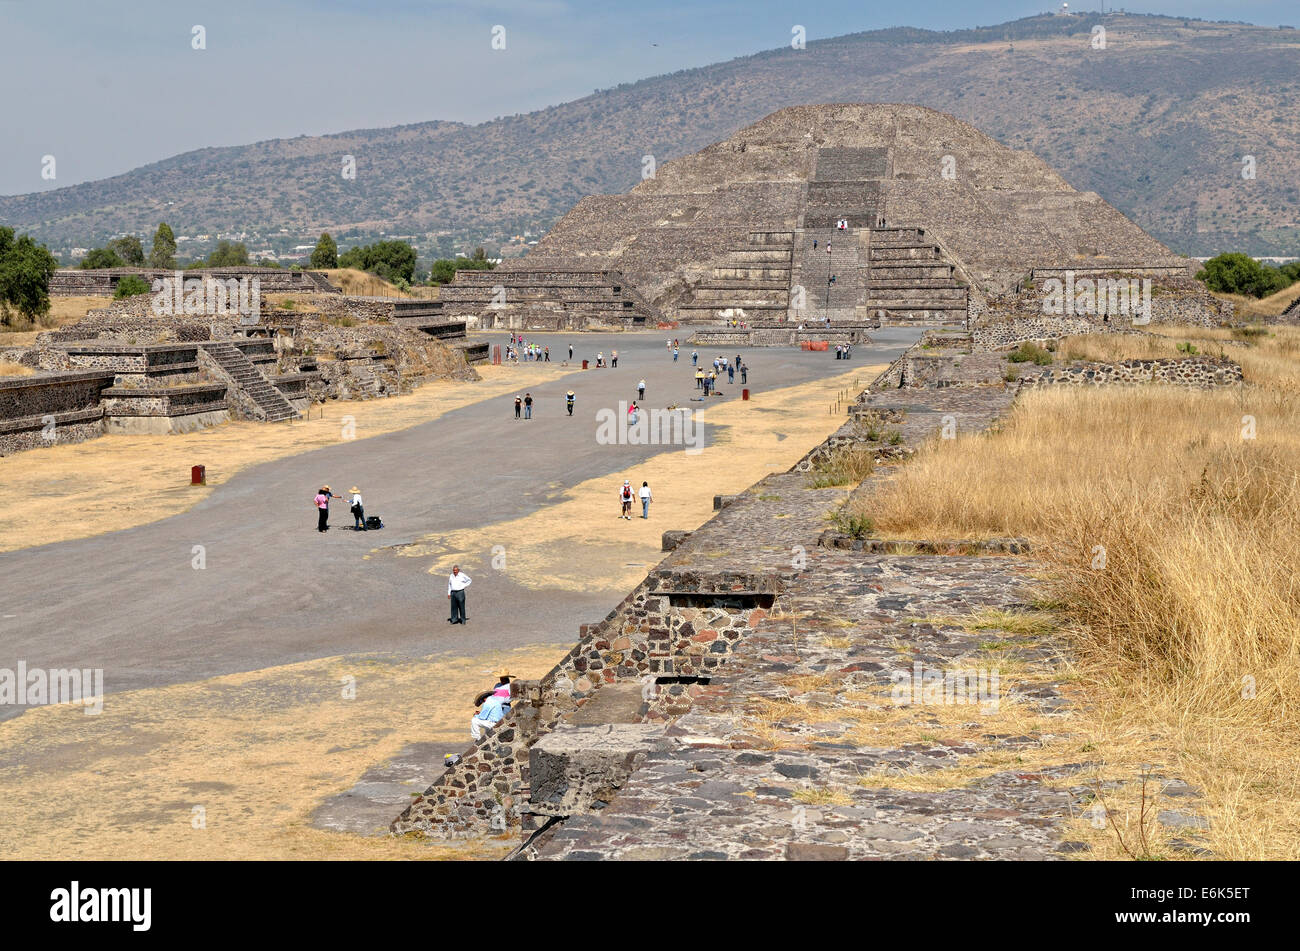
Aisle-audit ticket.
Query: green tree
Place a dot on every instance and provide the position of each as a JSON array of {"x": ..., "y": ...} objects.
[
  {"x": 228, "y": 254},
  {"x": 326, "y": 254},
  {"x": 129, "y": 286},
  {"x": 25, "y": 270},
  {"x": 129, "y": 249},
  {"x": 443, "y": 270},
  {"x": 386, "y": 259},
  {"x": 163, "y": 252},
  {"x": 1235, "y": 273},
  {"x": 100, "y": 257}
]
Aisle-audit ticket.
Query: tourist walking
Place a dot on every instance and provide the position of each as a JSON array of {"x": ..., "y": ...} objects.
[
  {"x": 731, "y": 373},
  {"x": 699, "y": 378},
  {"x": 568, "y": 401},
  {"x": 625, "y": 497},
  {"x": 744, "y": 374},
  {"x": 457, "y": 582},
  {"x": 358, "y": 510},
  {"x": 600, "y": 358},
  {"x": 675, "y": 352},
  {"x": 646, "y": 499},
  {"x": 695, "y": 357},
  {"x": 519, "y": 405},
  {"x": 546, "y": 354},
  {"x": 528, "y": 406},
  {"x": 613, "y": 359},
  {"x": 322, "y": 502},
  {"x": 640, "y": 390},
  {"x": 570, "y": 351}
]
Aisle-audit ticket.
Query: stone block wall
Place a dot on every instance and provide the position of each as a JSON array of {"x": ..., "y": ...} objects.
[
  {"x": 1199, "y": 371},
  {"x": 675, "y": 624},
  {"x": 51, "y": 408}
]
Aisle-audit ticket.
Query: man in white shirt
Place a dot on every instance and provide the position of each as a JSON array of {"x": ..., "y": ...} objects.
[
  {"x": 457, "y": 582},
  {"x": 646, "y": 499}
]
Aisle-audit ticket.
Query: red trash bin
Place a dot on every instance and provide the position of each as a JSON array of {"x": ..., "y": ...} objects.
[
  {"x": 198, "y": 475},
  {"x": 744, "y": 394},
  {"x": 584, "y": 364}
]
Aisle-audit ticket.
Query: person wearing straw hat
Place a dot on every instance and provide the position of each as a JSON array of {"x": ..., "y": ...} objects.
[
  {"x": 492, "y": 709},
  {"x": 322, "y": 502},
  {"x": 358, "y": 510}
]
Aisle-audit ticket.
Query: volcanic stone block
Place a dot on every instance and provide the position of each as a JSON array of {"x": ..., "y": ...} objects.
[{"x": 576, "y": 770}]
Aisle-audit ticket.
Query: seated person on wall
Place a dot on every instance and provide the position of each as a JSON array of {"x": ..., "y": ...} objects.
[{"x": 492, "y": 706}]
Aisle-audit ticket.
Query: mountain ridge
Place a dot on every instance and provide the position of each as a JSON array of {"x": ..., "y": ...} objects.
[{"x": 1158, "y": 123}]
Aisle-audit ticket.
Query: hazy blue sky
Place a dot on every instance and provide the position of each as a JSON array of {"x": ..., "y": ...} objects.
[{"x": 106, "y": 87}]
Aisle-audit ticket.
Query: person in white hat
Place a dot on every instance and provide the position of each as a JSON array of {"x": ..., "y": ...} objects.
[
  {"x": 358, "y": 510},
  {"x": 625, "y": 495}
]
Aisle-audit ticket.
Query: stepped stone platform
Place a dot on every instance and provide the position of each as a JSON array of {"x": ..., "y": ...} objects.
[
  {"x": 550, "y": 298},
  {"x": 847, "y": 212},
  {"x": 74, "y": 282}
]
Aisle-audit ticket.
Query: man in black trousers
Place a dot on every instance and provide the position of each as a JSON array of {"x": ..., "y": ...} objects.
[{"x": 457, "y": 582}]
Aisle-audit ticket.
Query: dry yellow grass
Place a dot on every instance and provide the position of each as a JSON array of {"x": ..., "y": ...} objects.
[
  {"x": 257, "y": 751},
  {"x": 579, "y": 541},
  {"x": 1167, "y": 520},
  {"x": 8, "y": 368},
  {"x": 63, "y": 310},
  {"x": 360, "y": 283},
  {"x": 1270, "y": 306}
]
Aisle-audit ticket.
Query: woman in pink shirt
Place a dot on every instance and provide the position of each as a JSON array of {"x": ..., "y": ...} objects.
[{"x": 322, "y": 501}]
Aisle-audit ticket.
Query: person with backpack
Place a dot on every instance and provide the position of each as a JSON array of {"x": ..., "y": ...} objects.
[
  {"x": 322, "y": 502},
  {"x": 568, "y": 401},
  {"x": 528, "y": 406},
  {"x": 646, "y": 499},
  {"x": 625, "y": 497},
  {"x": 358, "y": 511}
]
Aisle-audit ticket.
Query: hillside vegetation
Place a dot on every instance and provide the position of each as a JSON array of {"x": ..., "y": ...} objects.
[{"x": 1159, "y": 122}]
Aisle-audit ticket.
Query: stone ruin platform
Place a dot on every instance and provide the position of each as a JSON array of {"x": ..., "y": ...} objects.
[{"x": 895, "y": 214}]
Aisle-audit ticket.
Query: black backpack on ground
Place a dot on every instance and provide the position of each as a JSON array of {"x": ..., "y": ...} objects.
[{"x": 373, "y": 522}]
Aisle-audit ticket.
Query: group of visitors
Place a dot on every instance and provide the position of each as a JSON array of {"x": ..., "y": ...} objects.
[
  {"x": 530, "y": 351},
  {"x": 492, "y": 705},
  {"x": 843, "y": 351},
  {"x": 626, "y": 494},
  {"x": 707, "y": 380},
  {"x": 525, "y": 403},
  {"x": 322, "y": 502}
]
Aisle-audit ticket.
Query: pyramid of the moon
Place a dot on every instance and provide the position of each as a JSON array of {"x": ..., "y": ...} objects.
[{"x": 852, "y": 212}]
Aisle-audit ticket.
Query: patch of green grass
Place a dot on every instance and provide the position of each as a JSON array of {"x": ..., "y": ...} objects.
[{"x": 1030, "y": 353}]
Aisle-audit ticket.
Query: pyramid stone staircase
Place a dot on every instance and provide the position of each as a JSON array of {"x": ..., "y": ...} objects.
[
  {"x": 752, "y": 285},
  {"x": 260, "y": 398},
  {"x": 911, "y": 281}
]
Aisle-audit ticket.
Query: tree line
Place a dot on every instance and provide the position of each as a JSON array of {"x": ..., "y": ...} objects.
[{"x": 393, "y": 261}]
